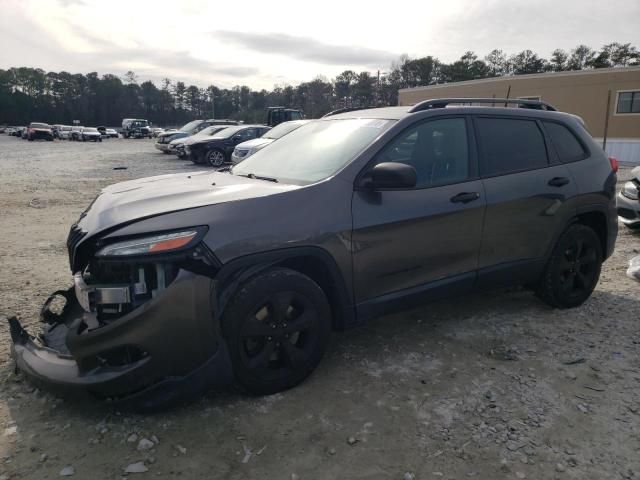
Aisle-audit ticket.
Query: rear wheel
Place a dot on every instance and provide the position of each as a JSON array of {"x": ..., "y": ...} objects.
[
  {"x": 215, "y": 157},
  {"x": 277, "y": 328},
  {"x": 573, "y": 269}
]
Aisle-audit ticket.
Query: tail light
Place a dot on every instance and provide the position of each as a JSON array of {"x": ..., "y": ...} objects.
[{"x": 614, "y": 164}]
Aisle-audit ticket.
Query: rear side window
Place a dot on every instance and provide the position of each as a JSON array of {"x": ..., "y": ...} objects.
[
  {"x": 565, "y": 142},
  {"x": 510, "y": 145}
]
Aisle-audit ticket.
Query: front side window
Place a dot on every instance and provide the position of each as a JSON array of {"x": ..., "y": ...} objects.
[
  {"x": 510, "y": 145},
  {"x": 314, "y": 151},
  {"x": 247, "y": 134},
  {"x": 566, "y": 144},
  {"x": 437, "y": 149},
  {"x": 628, "y": 102}
]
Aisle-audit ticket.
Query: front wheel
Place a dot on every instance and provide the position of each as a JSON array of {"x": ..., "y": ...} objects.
[
  {"x": 277, "y": 328},
  {"x": 573, "y": 269},
  {"x": 215, "y": 157}
]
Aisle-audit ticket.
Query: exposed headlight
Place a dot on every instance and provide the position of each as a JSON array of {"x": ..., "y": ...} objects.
[
  {"x": 240, "y": 153},
  {"x": 630, "y": 190},
  {"x": 161, "y": 243}
]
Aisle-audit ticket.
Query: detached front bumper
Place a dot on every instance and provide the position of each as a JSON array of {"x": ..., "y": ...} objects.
[{"x": 164, "y": 351}]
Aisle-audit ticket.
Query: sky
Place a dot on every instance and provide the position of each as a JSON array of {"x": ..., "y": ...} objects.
[{"x": 264, "y": 43}]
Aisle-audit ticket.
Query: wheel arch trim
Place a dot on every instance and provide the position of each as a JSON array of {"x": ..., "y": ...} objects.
[{"x": 238, "y": 271}]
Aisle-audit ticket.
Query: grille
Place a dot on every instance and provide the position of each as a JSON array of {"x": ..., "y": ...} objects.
[
  {"x": 75, "y": 235},
  {"x": 627, "y": 213}
]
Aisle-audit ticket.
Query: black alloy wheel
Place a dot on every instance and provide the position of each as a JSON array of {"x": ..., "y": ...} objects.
[
  {"x": 574, "y": 268},
  {"x": 277, "y": 327},
  {"x": 215, "y": 157}
]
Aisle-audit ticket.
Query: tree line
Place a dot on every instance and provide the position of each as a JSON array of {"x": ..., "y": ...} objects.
[{"x": 31, "y": 94}]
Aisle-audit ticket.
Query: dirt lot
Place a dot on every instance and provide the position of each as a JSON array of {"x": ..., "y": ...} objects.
[{"x": 495, "y": 386}]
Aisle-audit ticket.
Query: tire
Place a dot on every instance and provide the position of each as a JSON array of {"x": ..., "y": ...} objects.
[
  {"x": 215, "y": 158},
  {"x": 100, "y": 140},
  {"x": 573, "y": 269},
  {"x": 166, "y": 152},
  {"x": 277, "y": 327}
]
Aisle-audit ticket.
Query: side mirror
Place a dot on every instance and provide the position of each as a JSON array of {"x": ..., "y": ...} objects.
[{"x": 389, "y": 175}]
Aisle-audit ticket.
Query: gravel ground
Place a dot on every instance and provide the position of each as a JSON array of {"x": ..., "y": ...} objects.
[{"x": 495, "y": 386}]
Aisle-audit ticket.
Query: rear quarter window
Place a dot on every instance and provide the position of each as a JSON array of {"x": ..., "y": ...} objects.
[
  {"x": 510, "y": 145},
  {"x": 567, "y": 146}
]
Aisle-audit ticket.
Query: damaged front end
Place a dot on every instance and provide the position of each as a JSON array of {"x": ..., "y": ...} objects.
[{"x": 138, "y": 324}]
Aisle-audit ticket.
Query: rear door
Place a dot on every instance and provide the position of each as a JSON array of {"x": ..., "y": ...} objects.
[
  {"x": 527, "y": 194},
  {"x": 428, "y": 235}
]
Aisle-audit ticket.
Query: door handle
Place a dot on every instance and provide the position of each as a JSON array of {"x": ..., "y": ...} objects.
[
  {"x": 558, "y": 181},
  {"x": 465, "y": 197}
]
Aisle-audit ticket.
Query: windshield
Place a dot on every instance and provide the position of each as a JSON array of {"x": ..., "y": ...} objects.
[
  {"x": 190, "y": 126},
  {"x": 282, "y": 129},
  {"x": 314, "y": 151},
  {"x": 207, "y": 132},
  {"x": 229, "y": 131}
]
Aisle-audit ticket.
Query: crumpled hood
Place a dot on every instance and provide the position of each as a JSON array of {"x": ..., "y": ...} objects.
[
  {"x": 146, "y": 197},
  {"x": 254, "y": 144}
]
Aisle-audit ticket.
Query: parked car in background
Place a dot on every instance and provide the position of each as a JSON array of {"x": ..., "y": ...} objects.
[
  {"x": 90, "y": 134},
  {"x": 64, "y": 132},
  {"x": 55, "y": 129},
  {"x": 628, "y": 201},
  {"x": 75, "y": 134},
  {"x": 39, "y": 131},
  {"x": 156, "y": 131},
  {"x": 24, "y": 133},
  {"x": 177, "y": 146},
  {"x": 107, "y": 132},
  {"x": 191, "y": 128},
  {"x": 216, "y": 150},
  {"x": 246, "y": 149},
  {"x": 136, "y": 128}
]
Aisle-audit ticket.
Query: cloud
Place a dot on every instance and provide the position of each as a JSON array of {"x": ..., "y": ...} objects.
[{"x": 307, "y": 48}]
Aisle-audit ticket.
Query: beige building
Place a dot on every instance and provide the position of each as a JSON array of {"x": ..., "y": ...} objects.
[{"x": 607, "y": 99}]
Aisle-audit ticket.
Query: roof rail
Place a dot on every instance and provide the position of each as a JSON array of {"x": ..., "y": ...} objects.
[
  {"x": 444, "y": 102},
  {"x": 343, "y": 110}
]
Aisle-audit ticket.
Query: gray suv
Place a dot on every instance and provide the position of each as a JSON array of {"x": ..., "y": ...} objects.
[{"x": 187, "y": 280}]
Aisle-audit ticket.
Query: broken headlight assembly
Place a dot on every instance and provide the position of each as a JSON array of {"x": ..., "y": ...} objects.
[{"x": 126, "y": 273}]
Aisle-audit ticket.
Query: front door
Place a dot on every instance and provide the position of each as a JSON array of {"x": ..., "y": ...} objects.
[{"x": 406, "y": 239}]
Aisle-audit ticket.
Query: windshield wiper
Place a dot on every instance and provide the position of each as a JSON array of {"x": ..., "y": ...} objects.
[{"x": 258, "y": 177}]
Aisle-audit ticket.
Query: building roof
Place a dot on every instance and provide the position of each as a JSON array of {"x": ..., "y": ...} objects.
[{"x": 572, "y": 73}]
